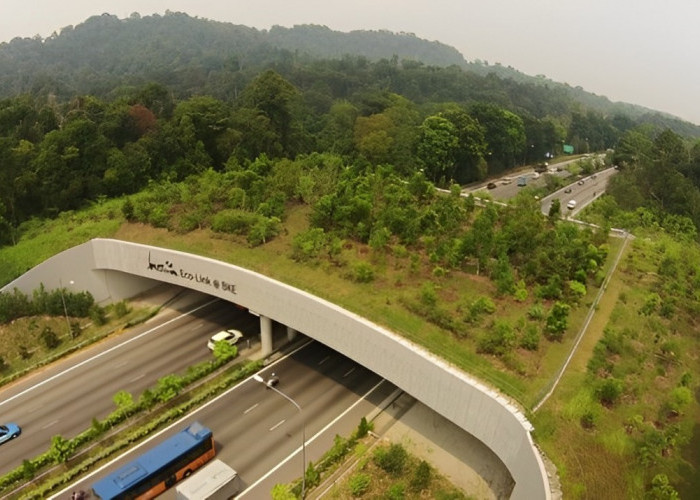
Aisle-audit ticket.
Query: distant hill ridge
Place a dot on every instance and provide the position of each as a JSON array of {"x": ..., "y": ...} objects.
[{"x": 189, "y": 53}]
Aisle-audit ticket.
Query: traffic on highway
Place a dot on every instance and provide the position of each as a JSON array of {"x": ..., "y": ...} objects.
[
  {"x": 572, "y": 197},
  {"x": 255, "y": 431}
]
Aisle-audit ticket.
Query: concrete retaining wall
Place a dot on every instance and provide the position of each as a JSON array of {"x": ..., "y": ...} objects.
[{"x": 113, "y": 270}]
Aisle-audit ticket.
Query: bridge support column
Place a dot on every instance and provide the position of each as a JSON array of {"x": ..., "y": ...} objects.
[
  {"x": 291, "y": 333},
  {"x": 265, "y": 335}
]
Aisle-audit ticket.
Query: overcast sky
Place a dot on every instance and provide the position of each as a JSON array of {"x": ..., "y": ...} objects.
[{"x": 640, "y": 51}]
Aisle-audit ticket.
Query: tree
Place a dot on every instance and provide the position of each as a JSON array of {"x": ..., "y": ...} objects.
[
  {"x": 554, "y": 213},
  {"x": 273, "y": 97},
  {"x": 437, "y": 148},
  {"x": 61, "y": 449},
  {"x": 336, "y": 136},
  {"x": 373, "y": 137},
  {"x": 223, "y": 351},
  {"x": 168, "y": 387},
  {"x": 206, "y": 119},
  {"x": 470, "y": 164},
  {"x": 123, "y": 400},
  {"x": 557, "y": 320},
  {"x": 504, "y": 133}
]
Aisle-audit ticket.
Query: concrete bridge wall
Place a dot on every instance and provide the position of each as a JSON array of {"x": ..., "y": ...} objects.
[{"x": 113, "y": 270}]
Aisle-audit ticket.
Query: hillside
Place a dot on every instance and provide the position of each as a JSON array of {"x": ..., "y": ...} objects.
[{"x": 195, "y": 56}]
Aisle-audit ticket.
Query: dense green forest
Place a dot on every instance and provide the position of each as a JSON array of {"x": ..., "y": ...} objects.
[{"x": 176, "y": 109}]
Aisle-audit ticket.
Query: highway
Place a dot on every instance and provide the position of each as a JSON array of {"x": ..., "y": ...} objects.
[
  {"x": 583, "y": 192},
  {"x": 61, "y": 399},
  {"x": 259, "y": 433}
]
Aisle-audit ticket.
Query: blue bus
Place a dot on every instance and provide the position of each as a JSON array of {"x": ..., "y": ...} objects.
[{"x": 160, "y": 467}]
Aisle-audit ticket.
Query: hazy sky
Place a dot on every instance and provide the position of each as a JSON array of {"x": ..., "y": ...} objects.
[{"x": 639, "y": 51}]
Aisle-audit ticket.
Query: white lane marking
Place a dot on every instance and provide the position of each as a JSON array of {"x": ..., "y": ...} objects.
[
  {"x": 310, "y": 440},
  {"x": 137, "y": 377},
  {"x": 251, "y": 409},
  {"x": 323, "y": 360},
  {"x": 50, "y": 424},
  {"x": 277, "y": 425},
  {"x": 349, "y": 371},
  {"x": 177, "y": 423},
  {"x": 103, "y": 353}
]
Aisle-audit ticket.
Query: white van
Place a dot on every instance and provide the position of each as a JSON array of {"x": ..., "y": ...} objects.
[{"x": 571, "y": 205}]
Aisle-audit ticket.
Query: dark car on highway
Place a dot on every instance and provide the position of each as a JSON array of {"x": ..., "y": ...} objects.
[{"x": 491, "y": 185}]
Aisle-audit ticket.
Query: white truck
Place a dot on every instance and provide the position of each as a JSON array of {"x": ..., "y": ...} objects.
[{"x": 214, "y": 481}]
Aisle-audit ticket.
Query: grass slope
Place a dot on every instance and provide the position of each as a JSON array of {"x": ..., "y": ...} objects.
[{"x": 595, "y": 446}]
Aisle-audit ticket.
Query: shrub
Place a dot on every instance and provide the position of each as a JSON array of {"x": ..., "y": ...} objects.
[
  {"x": 482, "y": 305},
  {"x": 577, "y": 290},
  {"x": 308, "y": 245},
  {"x": 121, "y": 309},
  {"x": 75, "y": 329},
  {"x": 61, "y": 449},
  {"x": 312, "y": 476},
  {"x": 3, "y": 364},
  {"x": 499, "y": 340},
  {"x": 589, "y": 419},
  {"x": 338, "y": 450},
  {"x": 679, "y": 399},
  {"x": 282, "y": 492},
  {"x": 359, "y": 484},
  {"x": 28, "y": 469},
  {"x": 233, "y": 221},
  {"x": 557, "y": 321},
  {"x": 531, "y": 338},
  {"x": 363, "y": 273},
  {"x": 651, "y": 304},
  {"x": 422, "y": 477},
  {"x": 609, "y": 391},
  {"x": 97, "y": 315},
  {"x": 264, "y": 230},
  {"x": 661, "y": 489},
  {"x": 128, "y": 210},
  {"x": 24, "y": 353},
  {"x": 397, "y": 491},
  {"x": 363, "y": 428},
  {"x": 536, "y": 312},
  {"x": 428, "y": 295},
  {"x": 168, "y": 387},
  {"x": 49, "y": 337},
  {"x": 392, "y": 459}
]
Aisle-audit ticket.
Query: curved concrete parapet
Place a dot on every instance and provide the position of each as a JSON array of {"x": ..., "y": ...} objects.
[{"x": 113, "y": 270}]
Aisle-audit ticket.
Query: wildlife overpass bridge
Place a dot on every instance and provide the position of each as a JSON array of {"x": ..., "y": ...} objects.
[{"x": 113, "y": 270}]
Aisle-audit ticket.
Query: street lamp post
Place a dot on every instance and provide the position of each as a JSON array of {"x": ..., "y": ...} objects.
[
  {"x": 65, "y": 309},
  {"x": 258, "y": 378}
]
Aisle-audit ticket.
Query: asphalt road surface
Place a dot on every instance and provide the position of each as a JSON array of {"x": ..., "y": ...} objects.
[
  {"x": 583, "y": 192},
  {"x": 62, "y": 399},
  {"x": 259, "y": 433}
]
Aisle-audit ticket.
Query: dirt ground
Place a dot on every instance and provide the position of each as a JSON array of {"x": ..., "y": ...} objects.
[{"x": 457, "y": 455}]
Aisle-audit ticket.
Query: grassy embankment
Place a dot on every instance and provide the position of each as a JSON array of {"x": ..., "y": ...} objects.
[{"x": 595, "y": 461}]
